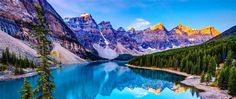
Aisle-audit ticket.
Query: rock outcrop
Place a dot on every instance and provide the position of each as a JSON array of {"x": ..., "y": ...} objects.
[{"x": 86, "y": 30}]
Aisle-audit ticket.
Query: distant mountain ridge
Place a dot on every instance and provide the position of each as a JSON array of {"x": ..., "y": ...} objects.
[{"x": 135, "y": 42}]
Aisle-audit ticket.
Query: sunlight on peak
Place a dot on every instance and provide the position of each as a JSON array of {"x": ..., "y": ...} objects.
[
  {"x": 85, "y": 15},
  {"x": 131, "y": 29},
  {"x": 210, "y": 30},
  {"x": 159, "y": 26}
]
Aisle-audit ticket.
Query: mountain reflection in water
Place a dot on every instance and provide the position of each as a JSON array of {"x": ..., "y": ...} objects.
[{"x": 110, "y": 80}]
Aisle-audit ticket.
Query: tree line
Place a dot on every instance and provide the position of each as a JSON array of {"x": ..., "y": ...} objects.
[
  {"x": 227, "y": 75},
  {"x": 10, "y": 58},
  {"x": 201, "y": 59}
]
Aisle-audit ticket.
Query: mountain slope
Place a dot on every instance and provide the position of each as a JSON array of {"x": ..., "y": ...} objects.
[
  {"x": 229, "y": 32},
  {"x": 16, "y": 46},
  {"x": 65, "y": 56}
]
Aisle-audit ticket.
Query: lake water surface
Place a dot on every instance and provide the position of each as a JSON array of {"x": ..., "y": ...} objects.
[{"x": 108, "y": 80}]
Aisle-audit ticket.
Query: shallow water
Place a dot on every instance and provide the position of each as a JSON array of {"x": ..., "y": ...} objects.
[{"x": 108, "y": 80}]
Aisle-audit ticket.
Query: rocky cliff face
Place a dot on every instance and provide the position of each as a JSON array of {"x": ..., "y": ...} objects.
[
  {"x": 155, "y": 38},
  {"x": 86, "y": 30},
  {"x": 17, "y": 16}
]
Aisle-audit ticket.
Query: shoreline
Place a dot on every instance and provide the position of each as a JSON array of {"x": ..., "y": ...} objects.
[
  {"x": 33, "y": 73},
  {"x": 26, "y": 75},
  {"x": 194, "y": 81}
]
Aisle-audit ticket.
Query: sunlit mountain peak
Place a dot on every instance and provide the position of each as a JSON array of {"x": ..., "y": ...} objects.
[
  {"x": 210, "y": 30},
  {"x": 131, "y": 29},
  {"x": 189, "y": 31},
  {"x": 85, "y": 15},
  {"x": 159, "y": 26}
]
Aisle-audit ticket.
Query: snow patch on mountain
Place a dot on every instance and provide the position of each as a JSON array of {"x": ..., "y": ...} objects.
[
  {"x": 122, "y": 50},
  {"x": 106, "y": 52}
]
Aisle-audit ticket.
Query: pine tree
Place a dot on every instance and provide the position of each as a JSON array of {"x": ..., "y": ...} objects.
[
  {"x": 199, "y": 65},
  {"x": 7, "y": 53},
  {"x": 212, "y": 66},
  {"x": 208, "y": 77},
  {"x": 27, "y": 92},
  {"x": 202, "y": 78},
  {"x": 232, "y": 81},
  {"x": 229, "y": 58},
  {"x": 45, "y": 86},
  {"x": 219, "y": 58},
  {"x": 3, "y": 57},
  {"x": 223, "y": 78},
  {"x": 189, "y": 67},
  {"x": 204, "y": 63},
  {"x": 182, "y": 64}
]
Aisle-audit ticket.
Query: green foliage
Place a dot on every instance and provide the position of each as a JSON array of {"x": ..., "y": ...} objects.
[
  {"x": 232, "y": 81},
  {"x": 229, "y": 58},
  {"x": 27, "y": 92},
  {"x": 3, "y": 67},
  {"x": 18, "y": 71},
  {"x": 194, "y": 60},
  {"x": 10, "y": 58},
  {"x": 208, "y": 78},
  {"x": 223, "y": 78},
  {"x": 45, "y": 86},
  {"x": 124, "y": 57},
  {"x": 202, "y": 78},
  {"x": 227, "y": 76},
  {"x": 212, "y": 66}
]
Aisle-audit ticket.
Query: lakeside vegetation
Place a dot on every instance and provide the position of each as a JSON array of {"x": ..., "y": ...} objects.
[
  {"x": 10, "y": 59},
  {"x": 201, "y": 60}
]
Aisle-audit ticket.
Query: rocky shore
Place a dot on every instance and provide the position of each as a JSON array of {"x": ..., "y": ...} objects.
[
  {"x": 11, "y": 76},
  {"x": 209, "y": 92}
]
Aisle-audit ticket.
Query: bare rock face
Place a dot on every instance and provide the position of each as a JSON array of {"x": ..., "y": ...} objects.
[
  {"x": 14, "y": 10},
  {"x": 108, "y": 33},
  {"x": 17, "y": 16},
  {"x": 86, "y": 30}
]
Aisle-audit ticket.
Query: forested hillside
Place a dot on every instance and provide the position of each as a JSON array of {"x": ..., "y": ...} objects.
[
  {"x": 194, "y": 60},
  {"x": 204, "y": 60}
]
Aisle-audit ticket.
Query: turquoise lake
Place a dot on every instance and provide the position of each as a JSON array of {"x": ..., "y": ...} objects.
[{"x": 108, "y": 80}]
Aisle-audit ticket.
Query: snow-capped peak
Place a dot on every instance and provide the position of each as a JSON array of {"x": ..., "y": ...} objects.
[{"x": 85, "y": 15}]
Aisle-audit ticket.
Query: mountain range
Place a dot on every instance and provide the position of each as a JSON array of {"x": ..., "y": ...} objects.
[
  {"x": 72, "y": 40},
  {"x": 108, "y": 42}
]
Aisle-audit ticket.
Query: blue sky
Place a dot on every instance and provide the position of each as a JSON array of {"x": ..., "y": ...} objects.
[{"x": 144, "y": 13}]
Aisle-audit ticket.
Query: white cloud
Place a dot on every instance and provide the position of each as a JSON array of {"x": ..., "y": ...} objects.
[{"x": 139, "y": 24}]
